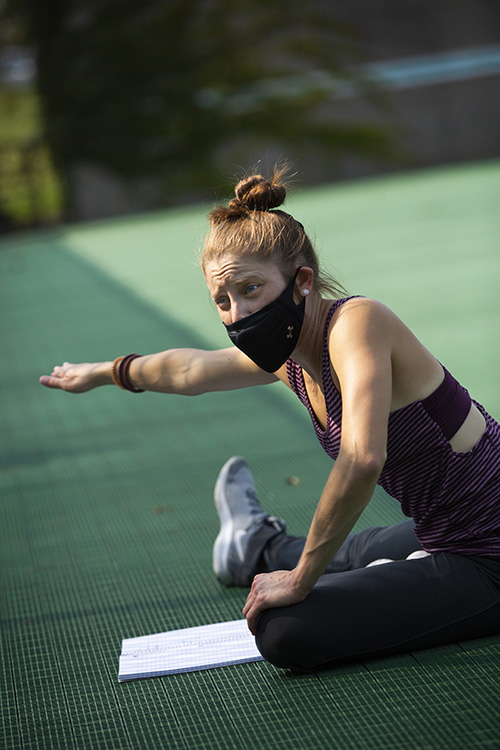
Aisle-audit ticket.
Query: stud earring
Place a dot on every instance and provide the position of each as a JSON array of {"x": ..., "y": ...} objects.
[{"x": 305, "y": 292}]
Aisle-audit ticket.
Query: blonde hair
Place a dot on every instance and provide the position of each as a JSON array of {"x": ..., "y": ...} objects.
[{"x": 253, "y": 225}]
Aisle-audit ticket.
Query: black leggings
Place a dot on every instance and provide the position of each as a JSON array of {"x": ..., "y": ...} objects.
[{"x": 355, "y": 612}]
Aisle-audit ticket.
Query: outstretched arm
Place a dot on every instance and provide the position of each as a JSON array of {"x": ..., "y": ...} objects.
[{"x": 183, "y": 371}]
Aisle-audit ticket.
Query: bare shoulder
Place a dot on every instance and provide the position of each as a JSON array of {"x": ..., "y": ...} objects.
[
  {"x": 364, "y": 306},
  {"x": 360, "y": 318},
  {"x": 366, "y": 333}
]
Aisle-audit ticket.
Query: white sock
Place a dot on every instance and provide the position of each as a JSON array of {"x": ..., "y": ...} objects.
[
  {"x": 418, "y": 553},
  {"x": 381, "y": 561}
]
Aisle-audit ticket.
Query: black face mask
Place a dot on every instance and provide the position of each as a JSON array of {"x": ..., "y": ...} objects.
[{"x": 269, "y": 335}]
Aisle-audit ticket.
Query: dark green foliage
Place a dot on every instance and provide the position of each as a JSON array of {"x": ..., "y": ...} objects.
[{"x": 179, "y": 92}]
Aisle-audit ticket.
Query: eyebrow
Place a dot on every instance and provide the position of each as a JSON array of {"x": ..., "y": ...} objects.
[
  {"x": 250, "y": 276},
  {"x": 241, "y": 279}
]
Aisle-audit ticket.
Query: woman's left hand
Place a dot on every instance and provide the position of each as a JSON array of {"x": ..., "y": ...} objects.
[{"x": 276, "y": 589}]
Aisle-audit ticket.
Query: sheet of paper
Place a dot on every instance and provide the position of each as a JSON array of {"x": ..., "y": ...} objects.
[{"x": 187, "y": 650}]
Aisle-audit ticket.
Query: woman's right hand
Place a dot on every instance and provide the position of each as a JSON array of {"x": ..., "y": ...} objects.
[{"x": 78, "y": 378}]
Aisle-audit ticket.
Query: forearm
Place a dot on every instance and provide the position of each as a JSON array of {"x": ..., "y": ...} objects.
[
  {"x": 171, "y": 371},
  {"x": 347, "y": 492},
  {"x": 99, "y": 373},
  {"x": 191, "y": 372}
]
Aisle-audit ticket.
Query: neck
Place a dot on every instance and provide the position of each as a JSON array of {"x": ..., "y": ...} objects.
[{"x": 309, "y": 349}]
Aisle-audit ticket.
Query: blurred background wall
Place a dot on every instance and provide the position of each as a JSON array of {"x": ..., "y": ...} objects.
[{"x": 115, "y": 106}]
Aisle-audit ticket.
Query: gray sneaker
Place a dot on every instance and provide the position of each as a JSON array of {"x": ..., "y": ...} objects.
[{"x": 241, "y": 518}]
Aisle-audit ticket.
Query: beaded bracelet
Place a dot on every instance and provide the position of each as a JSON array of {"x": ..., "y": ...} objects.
[
  {"x": 121, "y": 378},
  {"x": 113, "y": 372}
]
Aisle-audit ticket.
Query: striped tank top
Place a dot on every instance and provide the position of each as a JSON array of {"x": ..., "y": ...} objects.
[{"x": 453, "y": 498}]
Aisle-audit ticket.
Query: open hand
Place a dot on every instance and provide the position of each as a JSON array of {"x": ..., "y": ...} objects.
[
  {"x": 270, "y": 590},
  {"x": 74, "y": 378}
]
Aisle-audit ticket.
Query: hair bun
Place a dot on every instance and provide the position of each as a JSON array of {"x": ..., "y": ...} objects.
[{"x": 255, "y": 193}]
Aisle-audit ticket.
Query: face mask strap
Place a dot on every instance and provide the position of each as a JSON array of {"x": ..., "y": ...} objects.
[{"x": 290, "y": 305}]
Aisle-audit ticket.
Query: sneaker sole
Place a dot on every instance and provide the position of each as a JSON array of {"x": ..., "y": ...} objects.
[{"x": 225, "y": 536}]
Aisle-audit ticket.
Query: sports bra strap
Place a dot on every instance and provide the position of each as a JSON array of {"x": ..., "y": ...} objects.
[{"x": 449, "y": 405}]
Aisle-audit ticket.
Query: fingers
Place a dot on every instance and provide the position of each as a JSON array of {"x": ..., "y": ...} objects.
[
  {"x": 254, "y": 606},
  {"x": 248, "y": 605},
  {"x": 270, "y": 590},
  {"x": 60, "y": 370},
  {"x": 252, "y": 615},
  {"x": 251, "y": 597},
  {"x": 50, "y": 382},
  {"x": 252, "y": 623},
  {"x": 55, "y": 379}
]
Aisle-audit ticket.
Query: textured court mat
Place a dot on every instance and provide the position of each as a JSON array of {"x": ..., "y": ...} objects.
[{"x": 107, "y": 520}]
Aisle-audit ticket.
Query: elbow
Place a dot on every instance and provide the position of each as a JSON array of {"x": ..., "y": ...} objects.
[
  {"x": 186, "y": 385},
  {"x": 366, "y": 465},
  {"x": 186, "y": 377},
  {"x": 373, "y": 463},
  {"x": 372, "y": 469}
]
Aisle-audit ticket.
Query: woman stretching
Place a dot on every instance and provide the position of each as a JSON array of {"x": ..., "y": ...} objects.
[{"x": 384, "y": 409}]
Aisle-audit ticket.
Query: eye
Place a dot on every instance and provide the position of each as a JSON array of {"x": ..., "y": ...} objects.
[
  {"x": 221, "y": 301},
  {"x": 250, "y": 288}
]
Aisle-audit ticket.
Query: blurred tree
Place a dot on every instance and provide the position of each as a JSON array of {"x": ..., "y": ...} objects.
[
  {"x": 30, "y": 194},
  {"x": 173, "y": 93}
]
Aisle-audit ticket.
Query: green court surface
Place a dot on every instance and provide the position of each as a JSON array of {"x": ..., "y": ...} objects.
[{"x": 107, "y": 517}]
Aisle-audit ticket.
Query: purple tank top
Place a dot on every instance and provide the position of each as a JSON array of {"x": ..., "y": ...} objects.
[{"x": 453, "y": 498}]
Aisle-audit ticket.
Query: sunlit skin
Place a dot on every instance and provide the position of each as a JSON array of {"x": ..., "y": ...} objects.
[{"x": 241, "y": 287}]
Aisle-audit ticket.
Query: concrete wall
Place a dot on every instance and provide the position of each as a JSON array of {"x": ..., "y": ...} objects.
[
  {"x": 404, "y": 28},
  {"x": 442, "y": 63}
]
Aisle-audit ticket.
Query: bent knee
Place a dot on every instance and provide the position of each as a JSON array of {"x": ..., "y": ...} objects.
[{"x": 282, "y": 641}]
